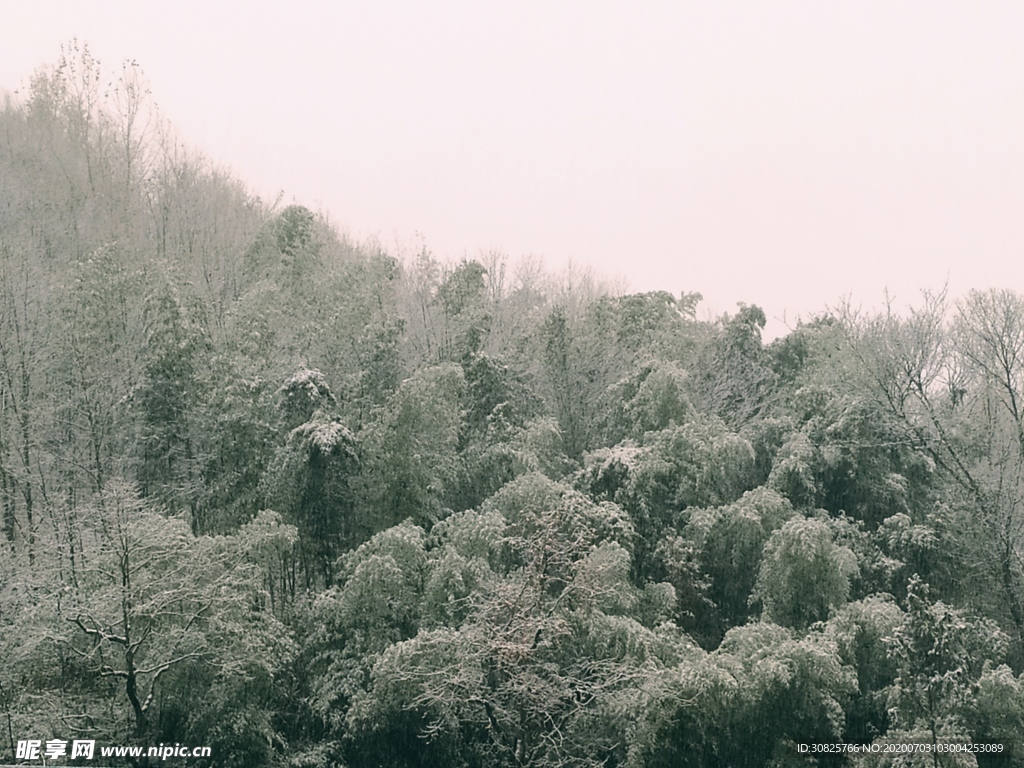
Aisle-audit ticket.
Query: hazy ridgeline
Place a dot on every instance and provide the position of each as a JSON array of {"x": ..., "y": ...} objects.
[{"x": 314, "y": 504}]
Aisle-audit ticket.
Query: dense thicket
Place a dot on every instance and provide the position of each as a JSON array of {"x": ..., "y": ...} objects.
[{"x": 313, "y": 504}]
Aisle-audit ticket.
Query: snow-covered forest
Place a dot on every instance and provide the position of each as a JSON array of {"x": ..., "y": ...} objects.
[{"x": 313, "y": 503}]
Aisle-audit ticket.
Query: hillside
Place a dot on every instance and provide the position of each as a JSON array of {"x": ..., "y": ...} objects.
[{"x": 311, "y": 503}]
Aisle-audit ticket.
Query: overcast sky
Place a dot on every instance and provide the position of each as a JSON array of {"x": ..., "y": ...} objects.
[{"x": 778, "y": 153}]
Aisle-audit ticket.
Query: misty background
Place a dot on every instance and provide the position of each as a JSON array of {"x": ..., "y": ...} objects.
[{"x": 786, "y": 153}]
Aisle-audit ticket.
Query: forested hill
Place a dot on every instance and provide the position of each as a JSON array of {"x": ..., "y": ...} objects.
[{"x": 311, "y": 504}]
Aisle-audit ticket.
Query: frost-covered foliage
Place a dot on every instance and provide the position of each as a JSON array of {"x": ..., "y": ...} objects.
[
  {"x": 305, "y": 392},
  {"x": 804, "y": 574},
  {"x": 325, "y": 437},
  {"x": 315, "y": 503}
]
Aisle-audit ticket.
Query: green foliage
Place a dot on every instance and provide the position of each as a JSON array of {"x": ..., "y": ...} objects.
[
  {"x": 996, "y": 712},
  {"x": 376, "y": 604},
  {"x": 310, "y": 478},
  {"x": 700, "y": 463},
  {"x": 728, "y": 542},
  {"x": 533, "y": 503},
  {"x": 382, "y": 583},
  {"x": 651, "y": 398},
  {"x": 465, "y": 320},
  {"x": 792, "y": 473},
  {"x": 167, "y": 395},
  {"x": 804, "y": 574},
  {"x": 572, "y": 407},
  {"x": 293, "y": 230},
  {"x": 742, "y": 704},
  {"x": 499, "y": 409},
  {"x": 473, "y": 534},
  {"x": 412, "y": 450},
  {"x": 592, "y": 361},
  {"x": 846, "y": 457},
  {"x": 796, "y": 686},
  {"x": 660, "y": 400},
  {"x": 235, "y": 444},
  {"x": 862, "y": 631},
  {"x": 153, "y": 601},
  {"x": 491, "y": 517},
  {"x": 287, "y": 252},
  {"x": 734, "y": 379},
  {"x": 541, "y": 639},
  {"x": 539, "y": 447},
  {"x": 940, "y": 654},
  {"x": 302, "y": 395}
]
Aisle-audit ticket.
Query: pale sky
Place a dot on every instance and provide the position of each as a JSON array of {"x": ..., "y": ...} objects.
[{"x": 778, "y": 153}]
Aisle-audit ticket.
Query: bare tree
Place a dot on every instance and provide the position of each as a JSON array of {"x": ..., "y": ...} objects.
[{"x": 955, "y": 386}]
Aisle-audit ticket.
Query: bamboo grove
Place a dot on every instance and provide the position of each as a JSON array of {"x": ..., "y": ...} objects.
[{"x": 313, "y": 503}]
